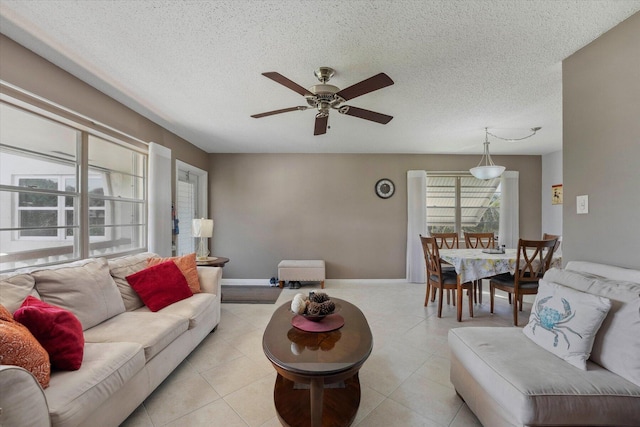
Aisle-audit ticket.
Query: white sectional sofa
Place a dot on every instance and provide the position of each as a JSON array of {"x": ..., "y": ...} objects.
[
  {"x": 128, "y": 349},
  {"x": 507, "y": 379}
]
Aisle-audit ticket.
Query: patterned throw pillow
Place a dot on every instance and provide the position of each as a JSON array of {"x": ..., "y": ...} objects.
[
  {"x": 58, "y": 330},
  {"x": 186, "y": 264},
  {"x": 18, "y": 347},
  {"x": 160, "y": 285},
  {"x": 565, "y": 321}
]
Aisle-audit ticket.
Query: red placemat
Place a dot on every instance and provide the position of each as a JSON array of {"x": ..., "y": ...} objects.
[{"x": 329, "y": 323}]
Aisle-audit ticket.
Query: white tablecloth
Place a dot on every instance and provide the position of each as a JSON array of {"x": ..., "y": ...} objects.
[{"x": 473, "y": 264}]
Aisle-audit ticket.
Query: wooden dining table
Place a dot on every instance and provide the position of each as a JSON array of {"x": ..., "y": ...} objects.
[{"x": 477, "y": 264}]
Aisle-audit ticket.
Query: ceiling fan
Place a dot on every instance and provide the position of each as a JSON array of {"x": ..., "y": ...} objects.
[{"x": 324, "y": 97}]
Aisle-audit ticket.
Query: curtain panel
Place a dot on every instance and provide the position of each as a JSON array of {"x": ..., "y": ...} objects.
[
  {"x": 416, "y": 224},
  {"x": 509, "y": 227},
  {"x": 159, "y": 220}
]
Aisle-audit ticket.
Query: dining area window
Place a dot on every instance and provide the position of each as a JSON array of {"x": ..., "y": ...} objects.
[{"x": 458, "y": 202}]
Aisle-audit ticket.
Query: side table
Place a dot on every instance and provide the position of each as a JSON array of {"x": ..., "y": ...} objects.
[{"x": 213, "y": 262}]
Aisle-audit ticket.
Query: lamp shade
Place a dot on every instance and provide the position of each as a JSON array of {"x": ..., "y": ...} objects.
[
  {"x": 202, "y": 227},
  {"x": 487, "y": 172}
]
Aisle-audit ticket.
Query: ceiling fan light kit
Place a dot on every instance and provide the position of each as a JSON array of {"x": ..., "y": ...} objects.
[
  {"x": 486, "y": 169},
  {"x": 324, "y": 97}
]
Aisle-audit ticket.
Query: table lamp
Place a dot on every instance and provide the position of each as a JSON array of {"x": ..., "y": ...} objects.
[{"x": 202, "y": 229}]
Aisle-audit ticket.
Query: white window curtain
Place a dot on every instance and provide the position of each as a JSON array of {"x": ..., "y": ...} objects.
[
  {"x": 509, "y": 230},
  {"x": 416, "y": 224},
  {"x": 159, "y": 221}
]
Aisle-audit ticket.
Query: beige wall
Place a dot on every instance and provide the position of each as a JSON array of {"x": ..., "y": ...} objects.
[
  {"x": 273, "y": 207},
  {"x": 23, "y": 68},
  {"x": 601, "y": 105},
  {"x": 269, "y": 207}
]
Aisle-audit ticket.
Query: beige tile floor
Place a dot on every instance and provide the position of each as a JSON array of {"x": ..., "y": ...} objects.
[{"x": 227, "y": 381}]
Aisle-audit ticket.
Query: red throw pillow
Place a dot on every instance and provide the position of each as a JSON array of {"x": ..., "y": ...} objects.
[
  {"x": 160, "y": 285},
  {"x": 58, "y": 330},
  {"x": 187, "y": 264}
]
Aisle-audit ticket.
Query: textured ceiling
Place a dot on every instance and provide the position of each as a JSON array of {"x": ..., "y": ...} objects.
[{"x": 195, "y": 67}]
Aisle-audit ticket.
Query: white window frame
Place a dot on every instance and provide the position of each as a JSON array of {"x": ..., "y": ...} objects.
[{"x": 457, "y": 222}]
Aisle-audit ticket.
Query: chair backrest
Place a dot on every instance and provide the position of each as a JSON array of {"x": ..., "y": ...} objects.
[
  {"x": 547, "y": 236},
  {"x": 479, "y": 240},
  {"x": 446, "y": 240},
  {"x": 431, "y": 256},
  {"x": 533, "y": 259}
]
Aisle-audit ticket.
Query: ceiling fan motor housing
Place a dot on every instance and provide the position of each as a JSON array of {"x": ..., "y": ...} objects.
[{"x": 324, "y": 96}]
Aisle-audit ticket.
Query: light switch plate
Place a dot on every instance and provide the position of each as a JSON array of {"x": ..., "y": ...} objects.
[{"x": 582, "y": 204}]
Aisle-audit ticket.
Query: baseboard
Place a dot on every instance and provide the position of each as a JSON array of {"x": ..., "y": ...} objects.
[
  {"x": 328, "y": 282},
  {"x": 245, "y": 282}
]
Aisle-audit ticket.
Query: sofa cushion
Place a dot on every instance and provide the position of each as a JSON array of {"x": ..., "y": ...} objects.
[
  {"x": 186, "y": 264},
  {"x": 160, "y": 285},
  {"x": 565, "y": 321},
  {"x": 58, "y": 330},
  {"x": 106, "y": 367},
  {"x": 14, "y": 288},
  {"x": 20, "y": 348},
  {"x": 604, "y": 270},
  {"x": 84, "y": 287},
  {"x": 195, "y": 308},
  {"x": 617, "y": 343},
  {"x": 124, "y": 266},
  {"x": 153, "y": 331},
  {"x": 536, "y": 387}
]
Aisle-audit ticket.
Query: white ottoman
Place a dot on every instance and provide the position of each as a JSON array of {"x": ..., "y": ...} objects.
[{"x": 301, "y": 270}]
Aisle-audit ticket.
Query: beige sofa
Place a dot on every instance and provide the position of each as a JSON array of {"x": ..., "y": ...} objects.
[
  {"x": 508, "y": 380},
  {"x": 128, "y": 349}
]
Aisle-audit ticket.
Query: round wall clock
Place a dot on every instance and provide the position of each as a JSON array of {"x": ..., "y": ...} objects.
[{"x": 385, "y": 188}]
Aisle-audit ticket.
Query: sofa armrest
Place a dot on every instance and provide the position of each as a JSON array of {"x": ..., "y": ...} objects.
[
  {"x": 210, "y": 279},
  {"x": 22, "y": 400}
]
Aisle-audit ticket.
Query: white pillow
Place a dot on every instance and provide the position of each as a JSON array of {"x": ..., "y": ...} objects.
[
  {"x": 83, "y": 287},
  {"x": 565, "y": 321}
]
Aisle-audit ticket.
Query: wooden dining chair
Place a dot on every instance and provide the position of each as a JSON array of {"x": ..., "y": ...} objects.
[
  {"x": 479, "y": 240},
  {"x": 447, "y": 241},
  {"x": 474, "y": 241},
  {"x": 547, "y": 236},
  {"x": 438, "y": 279},
  {"x": 532, "y": 261}
]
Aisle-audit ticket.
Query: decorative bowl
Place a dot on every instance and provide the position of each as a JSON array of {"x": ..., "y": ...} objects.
[{"x": 319, "y": 317}]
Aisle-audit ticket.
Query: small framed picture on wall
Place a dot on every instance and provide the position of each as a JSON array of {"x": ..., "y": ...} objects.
[{"x": 556, "y": 194}]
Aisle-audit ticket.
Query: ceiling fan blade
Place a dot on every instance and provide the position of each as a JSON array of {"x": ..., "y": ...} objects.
[
  {"x": 284, "y": 110},
  {"x": 279, "y": 78},
  {"x": 365, "y": 114},
  {"x": 369, "y": 85},
  {"x": 321, "y": 125}
]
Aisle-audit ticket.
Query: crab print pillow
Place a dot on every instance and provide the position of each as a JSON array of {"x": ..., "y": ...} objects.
[{"x": 565, "y": 321}]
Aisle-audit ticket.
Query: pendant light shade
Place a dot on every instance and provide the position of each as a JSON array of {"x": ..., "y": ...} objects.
[
  {"x": 486, "y": 169},
  {"x": 487, "y": 172}
]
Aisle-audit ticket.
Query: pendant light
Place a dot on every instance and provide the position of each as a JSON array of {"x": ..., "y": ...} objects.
[{"x": 486, "y": 169}]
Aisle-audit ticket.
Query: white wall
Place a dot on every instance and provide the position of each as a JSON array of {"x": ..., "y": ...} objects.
[{"x": 551, "y": 175}]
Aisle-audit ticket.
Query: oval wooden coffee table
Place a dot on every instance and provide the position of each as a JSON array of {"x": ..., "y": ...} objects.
[{"x": 317, "y": 382}]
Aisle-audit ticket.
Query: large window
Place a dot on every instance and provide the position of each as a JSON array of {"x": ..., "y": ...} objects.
[
  {"x": 461, "y": 202},
  {"x": 66, "y": 192}
]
